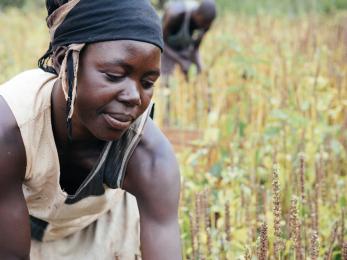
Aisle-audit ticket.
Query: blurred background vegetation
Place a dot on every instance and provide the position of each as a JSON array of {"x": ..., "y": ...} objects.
[
  {"x": 261, "y": 134},
  {"x": 241, "y": 6}
]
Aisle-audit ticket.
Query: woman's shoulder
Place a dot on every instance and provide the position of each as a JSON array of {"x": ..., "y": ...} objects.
[
  {"x": 28, "y": 76},
  {"x": 154, "y": 144},
  {"x": 24, "y": 83},
  {"x": 28, "y": 93}
]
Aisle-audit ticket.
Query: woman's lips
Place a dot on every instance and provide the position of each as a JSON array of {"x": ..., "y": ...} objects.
[{"x": 118, "y": 122}]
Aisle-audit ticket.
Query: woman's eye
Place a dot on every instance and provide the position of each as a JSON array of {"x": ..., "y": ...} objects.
[
  {"x": 113, "y": 77},
  {"x": 147, "y": 84}
]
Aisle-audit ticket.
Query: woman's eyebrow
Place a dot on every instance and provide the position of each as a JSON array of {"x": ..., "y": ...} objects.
[
  {"x": 117, "y": 62},
  {"x": 155, "y": 72},
  {"x": 128, "y": 67}
]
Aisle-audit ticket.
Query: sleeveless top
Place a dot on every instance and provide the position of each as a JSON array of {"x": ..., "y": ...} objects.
[
  {"x": 54, "y": 214},
  {"x": 183, "y": 38}
]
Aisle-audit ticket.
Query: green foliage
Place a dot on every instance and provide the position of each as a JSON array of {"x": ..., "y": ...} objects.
[
  {"x": 290, "y": 7},
  {"x": 7, "y": 3},
  {"x": 22, "y": 4},
  {"x": 21, "y": 46},
  {"x": 159, "y": 3}
]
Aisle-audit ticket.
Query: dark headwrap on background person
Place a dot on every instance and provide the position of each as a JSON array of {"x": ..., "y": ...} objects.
[{"x": 79, "y": 22}]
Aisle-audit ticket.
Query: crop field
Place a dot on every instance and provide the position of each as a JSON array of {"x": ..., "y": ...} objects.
[{"x": 260, "y": 135}]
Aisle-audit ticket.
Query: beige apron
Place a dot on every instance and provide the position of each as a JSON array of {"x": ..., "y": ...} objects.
[{"x": 104, "y": 225}]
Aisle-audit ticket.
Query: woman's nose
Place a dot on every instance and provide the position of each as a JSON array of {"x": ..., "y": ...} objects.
[{"x": 130, "y": 94}]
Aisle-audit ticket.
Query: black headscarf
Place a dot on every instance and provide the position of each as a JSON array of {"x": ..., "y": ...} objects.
[{"x": 104, "y": 20}]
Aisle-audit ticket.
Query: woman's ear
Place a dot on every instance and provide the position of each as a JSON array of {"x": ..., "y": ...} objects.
[{"x": 58, "y": 57}]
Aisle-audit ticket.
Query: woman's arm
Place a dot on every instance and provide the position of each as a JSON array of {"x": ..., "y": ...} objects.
[
  {"x": 14, "y": 217},
  {"x": 153, "y": 178}
]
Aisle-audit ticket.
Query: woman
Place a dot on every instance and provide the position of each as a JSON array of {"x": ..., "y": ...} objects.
[{"x": 84, "y": 173}]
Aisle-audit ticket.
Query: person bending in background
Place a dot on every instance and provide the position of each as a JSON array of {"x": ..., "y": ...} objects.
[
  {"x": 84, "y": 173},
  {"x": 184, "y": 27}
]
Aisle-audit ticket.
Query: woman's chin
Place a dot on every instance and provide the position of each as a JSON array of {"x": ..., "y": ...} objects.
[{"x": 109, "y": 135}]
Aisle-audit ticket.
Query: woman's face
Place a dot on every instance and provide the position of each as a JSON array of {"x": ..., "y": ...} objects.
[{"x": 115, "y": 86}]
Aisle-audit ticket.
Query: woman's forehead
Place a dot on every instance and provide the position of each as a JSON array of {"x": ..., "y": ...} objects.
[{"x": 129, "y": 51}]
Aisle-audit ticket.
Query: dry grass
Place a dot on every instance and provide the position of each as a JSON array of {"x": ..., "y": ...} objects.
[{"x": 273, "y": 91}]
